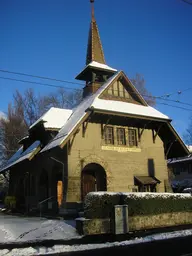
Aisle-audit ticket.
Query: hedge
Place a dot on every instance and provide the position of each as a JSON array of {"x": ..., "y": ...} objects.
[{"x": 101, "y": 204}]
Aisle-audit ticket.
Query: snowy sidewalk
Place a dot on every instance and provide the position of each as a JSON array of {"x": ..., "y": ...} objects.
[
  {"x": 22, "y": 229},
  {"x": 171, "y": 243}
]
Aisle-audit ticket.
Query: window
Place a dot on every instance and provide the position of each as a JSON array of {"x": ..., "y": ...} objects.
[
  {"x": 118, "y": 90},
  {"x": 132, "y": 137},
  {"x": 121, "y": 136},
  {"x": 109, "y": 136}
]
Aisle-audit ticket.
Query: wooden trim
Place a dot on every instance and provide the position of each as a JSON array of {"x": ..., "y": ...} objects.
[
  {"x": 130, "y": 115},
  {"x": 168, "y": 149},
  {"x": 103, "y": 127},
  {"x": 155, "y": 133},
  {"x": 178, "y": 138},
  {"x": 70, "y": 142},
  {"x": 85, "y": 125},
  {"x": 133, "y": 88},
  {"x": 34, "y": 153},
  {"x": 63, "y": 143}
]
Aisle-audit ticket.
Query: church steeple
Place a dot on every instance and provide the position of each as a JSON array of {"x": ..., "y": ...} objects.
[
  {"x": 94, "y": 47},
  {"x": 96, "y": 71}
]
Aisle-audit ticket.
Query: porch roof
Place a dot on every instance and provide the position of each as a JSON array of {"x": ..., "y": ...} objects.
[
  {"x": 21, "y": 155},
  {"x": 147, "y": 180}
]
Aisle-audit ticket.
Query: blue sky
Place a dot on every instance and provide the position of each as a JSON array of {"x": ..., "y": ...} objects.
[{"x": 150, "y": 37}]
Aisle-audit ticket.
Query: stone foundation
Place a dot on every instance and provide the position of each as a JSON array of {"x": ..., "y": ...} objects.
[{"x": 104, "y": 226}]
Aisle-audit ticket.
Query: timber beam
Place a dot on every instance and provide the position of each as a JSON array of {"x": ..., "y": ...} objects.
[
  {"x": 85, "y": 124},
  {"x": 70, "y": 142},
  {"x": 141, "y": 130},
  {"x": 167, "y": 148},
  {"x": 155, "y": 133},
  {"x": 104, "y": 126}
]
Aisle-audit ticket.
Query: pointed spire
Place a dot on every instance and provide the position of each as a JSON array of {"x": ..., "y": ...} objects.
[
  {"x": 92, "y": 10},
  {"x": 94, "y": 48}
]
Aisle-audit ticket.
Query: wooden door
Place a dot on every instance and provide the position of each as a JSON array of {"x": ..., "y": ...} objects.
[
  {"x": 59, "y": 192},
  {"x": 88, "y": 184}
]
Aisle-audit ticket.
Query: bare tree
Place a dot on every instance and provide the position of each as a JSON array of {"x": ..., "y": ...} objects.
[
  {"x": 139, "y": 82},
  {"x": 187, "y": 1},
  {"x": 24, "y": 111},
  {"x": 188, "y": 133}
]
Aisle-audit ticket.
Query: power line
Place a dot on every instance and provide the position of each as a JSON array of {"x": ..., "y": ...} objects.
[
  {"x": 178, "y": 92},
  {"x": 41, "y": 77},
  {"x": 176, "y": 101},
  {"x": 30, "y": 82},
  {"x": 65, "y": 81},
  {"x": 187, "y": 109},
  {"x": 63, "y": 87}
]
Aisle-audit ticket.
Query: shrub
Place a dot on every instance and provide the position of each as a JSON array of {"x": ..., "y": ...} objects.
[
  {"x": 157, "y": 203},
  {"x": 101, "y": 204},
  {"x": 10, "y": 202}
]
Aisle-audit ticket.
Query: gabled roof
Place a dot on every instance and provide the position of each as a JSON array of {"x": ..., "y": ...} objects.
[
  {"x": 93, "y": 103},
  {"x": 54, "y": 118}
]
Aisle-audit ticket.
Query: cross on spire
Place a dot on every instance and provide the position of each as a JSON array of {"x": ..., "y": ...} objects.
[{"x": 92, "y": 9}]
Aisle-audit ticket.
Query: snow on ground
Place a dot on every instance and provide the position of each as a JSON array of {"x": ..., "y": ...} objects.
[
  {"x": 83, "y": 247},
  {"x": 14, "y": 228},
  {"x": 50, "y": 229}
]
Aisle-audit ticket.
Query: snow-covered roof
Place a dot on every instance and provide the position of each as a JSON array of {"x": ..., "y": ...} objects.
[
  {"x": 100, "y": 66},
  {"x": 21, "y": 155},
  {"x": 189, "y": 148},
  {"x": 54, "y": 118},
  {"x": 96, "y": 65},
  {"x": 93, "y": 101},
  {"x": 127, "y": 108},
  {"x": 179, "y": 160}
]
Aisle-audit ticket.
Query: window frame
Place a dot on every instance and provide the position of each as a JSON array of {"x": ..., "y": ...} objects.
[
  {"x": 107, "y": 134},
  {"x": 133, "y": 143},
  {"x": 121, "y": 136}
]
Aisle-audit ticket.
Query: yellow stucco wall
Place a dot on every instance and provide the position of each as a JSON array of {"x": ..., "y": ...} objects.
[{"x": 120, "y": 167}]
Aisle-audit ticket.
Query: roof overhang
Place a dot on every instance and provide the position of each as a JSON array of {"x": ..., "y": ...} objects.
[
  {"x": 86, "y": 72},
  {"x": 20, "y": 156},
  {"x": 146, "y": 180}
]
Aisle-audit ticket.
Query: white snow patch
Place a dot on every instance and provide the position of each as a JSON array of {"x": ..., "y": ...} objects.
[
  {"x": 127, "y": 108},
  {"x": 54, "y": 118},
  {"x": 189, "y": 148},
  {"x": 141, "y": 195},
  {"x": 50, "y": 229},
  {"x": 100, "y": 65},
  {"x": 84, "y": 247}
]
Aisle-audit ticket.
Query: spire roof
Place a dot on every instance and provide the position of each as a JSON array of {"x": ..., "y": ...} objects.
[{"x": 94, "y": 47}]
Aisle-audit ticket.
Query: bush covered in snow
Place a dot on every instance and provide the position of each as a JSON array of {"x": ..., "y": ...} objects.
[{"x": 101, "y": 204}]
